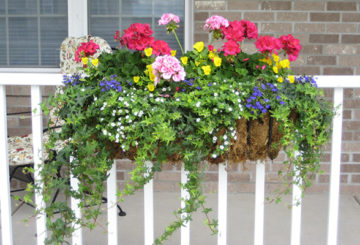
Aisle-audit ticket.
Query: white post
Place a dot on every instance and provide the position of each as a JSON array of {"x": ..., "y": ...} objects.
[
  {"x": 37, "y": 131},
  {"x": 6, "y": 224},
  {"x": 185, "y": 230},
  {"x": 222, "y": 205},
  {"x": 149, "y": 210},
  {"x": 188, "y": 25},
  {"x": 335, "y": 169},
  {"x": 77, "y": 234},
  {"x": 77, "y": 18},
  {"x": 296, "y": 211},
  {"x": 259, "y": 203},
  {"x": 112, "y": 208}
]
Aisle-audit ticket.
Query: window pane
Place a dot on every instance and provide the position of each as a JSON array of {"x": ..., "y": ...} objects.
[
  {"x": 136, "y": 8},
  {"x": 170, "y": 6},
  {"x": 107, "y": 7},
  {"x": 23, "y": 41},
  {"x": 53, "y": 7},
  {"x": 2, "y": 6},
  {"x": 53, "y": 32},
  {"x": 105, "y": 28},
  {"x": 2, "y": 42},
  {"x": 22, "y": 7}
]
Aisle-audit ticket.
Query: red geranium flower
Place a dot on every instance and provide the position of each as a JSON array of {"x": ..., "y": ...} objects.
[
  {"x": 85, "y": 50},
  {"x": 268, "y": 44},
  {"x": 291, "y": 46},
  {"x": 250, "y": 29},
  {"x": 160, "y": 47},
  {"x": 231, "y": 48},
  {"x": 136, "y": 37},
  {"x": 235, "y": 31}
]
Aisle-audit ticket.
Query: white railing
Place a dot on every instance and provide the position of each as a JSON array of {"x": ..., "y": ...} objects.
[{"x": 35, "y": 80}]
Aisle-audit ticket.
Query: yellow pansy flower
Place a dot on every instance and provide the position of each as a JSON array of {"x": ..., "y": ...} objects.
[
  {"x": 211, "y": 55},
  {"x": 136, "y": 79},
  {"x": 280, "y": 79},
  {"x": 95, "y": 62},
  {"x": 285, "y": 63},
  {"x": 184, "y": 60},
  {"x": 148, "y": 52},
  {"x": 276, "y": 58},
  {"x": 173, "y": 52},
  {"x": 291, "y": 79},
  {"x": 217, "y": 61},
  {"x": 84, "y": 60},
  {"x": 267, "y": 60},
  {"x": 199, "y": 46},
  {"x": 275, "y": 69},
  {"x": 197, "y": 63},
  {"x": 206, "y": 69},
  {"x": 152, "y": 76},
  {"x": 151, "y": 87}
]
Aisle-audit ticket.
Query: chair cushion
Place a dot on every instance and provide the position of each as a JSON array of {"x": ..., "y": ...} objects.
[
  {"x": 68, "y": 65},
  {"x": 20, "y": 149}
]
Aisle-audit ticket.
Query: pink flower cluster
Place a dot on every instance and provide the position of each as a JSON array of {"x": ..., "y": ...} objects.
[
  {"x": 85, "y": 50},
  {"x": 160, "y": 47},
  {"x": 137, "y": 37},
  {"x": 268, "y": 44},
  {"x": 168, "y": 67},
  {"x": 291, "y": 46},
  {"x": 167, "y": 18},
  {"x": 215, "y": 22}
]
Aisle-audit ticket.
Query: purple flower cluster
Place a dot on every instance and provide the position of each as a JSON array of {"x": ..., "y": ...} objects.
[
  {"x": 306, "y": 79},
  {"x": 258, "y": 101},
  {"x": 111, "y": 84},
  {"x": 71, "y": 80}
]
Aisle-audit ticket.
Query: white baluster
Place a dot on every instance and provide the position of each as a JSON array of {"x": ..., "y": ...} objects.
[
  {"x": 77, "y": 234},
  {"x": 222, "y": 205},
  {"x": 112, "y": 208},
  {"x": 149, "y": 210},
  {"x": 259, "y": 203},
  {"x": 185, "y": 230}
]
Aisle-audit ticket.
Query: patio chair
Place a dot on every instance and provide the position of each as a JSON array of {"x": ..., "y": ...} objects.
[{"x": 20, "y": 147}]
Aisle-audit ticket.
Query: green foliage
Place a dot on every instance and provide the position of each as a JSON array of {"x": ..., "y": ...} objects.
[{"x": 191, "y": 121}]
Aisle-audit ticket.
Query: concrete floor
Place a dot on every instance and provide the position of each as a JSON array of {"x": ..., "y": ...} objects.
[{"x": 240, "y": 221}]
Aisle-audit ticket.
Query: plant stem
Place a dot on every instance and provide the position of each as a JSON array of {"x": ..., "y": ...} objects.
[{"x": 177, "y": 39}]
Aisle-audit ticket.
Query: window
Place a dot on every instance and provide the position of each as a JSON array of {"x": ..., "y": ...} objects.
[
  {"x": 34, "y": 30},
  {"x": 107, "y": 16}
]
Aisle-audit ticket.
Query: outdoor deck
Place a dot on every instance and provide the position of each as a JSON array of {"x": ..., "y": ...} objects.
[{"x": 240, "y": 221}]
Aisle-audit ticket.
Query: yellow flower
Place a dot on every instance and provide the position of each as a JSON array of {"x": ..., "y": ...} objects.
[
  {"x": 291, "y": 79},
  {"x": 151, "y": 87},
  {"x": 197, "y": 63},
  {"x": 217, "y": 61},
  {"x": 184, "y": 60},
  {"x": 280, "y": 79},
  {"x": 275, "y": 69},
  {"x": 152, "y": 76},
  {"x": 136, "y": 79},
  {"x": 276, "y": 58},
  {"x": 95, "y": 62},
  {"x": 199, "y": 46},
  {"x": 84, "y": 60},
  {"x": 173, "y": 52},
  {"x": 285, "y": 63},
  {"x": 267, "y": 60},
  {"x": 148, "y": 52},
  {"x": 206, "y": 69},
  {"x": 211, "y": 55}
]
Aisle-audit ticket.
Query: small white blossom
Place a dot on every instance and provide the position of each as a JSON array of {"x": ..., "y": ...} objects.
[
  {"x": 198, "y": 104},
  {"x": 122, "y": 127},
  {"x": 197, "y": 119},
  {"x": 164, "y": 89},
  {"x": 162, "y": 100},
  {"x": 82, "y": 90},
  {"x": 120, "y": 98},
  {"x": 235, "y": 137},
  {"x": 127, "y": 116},
  {"x": 130, "y": 121},
  {"x": 214, "y": 139},
  {"x": 177, "y": 99},
  {"x": 104, "y": 132},
  {"x": 230, "y": 109},
  {"x": 215, "y": 94},
  {"x": 231, "y": 129},
  {"x": 112, "y": 124},
  {"x": 225, "y": 137},
  {"x": 157, "y": 99},
  {"x": 151, "y": 95},
  {"x": 214, "y": 156},
  {"x": 214, "y": 83},
  {"x": 237, "y": 93},
  {"x": 135, "y": 113},
  {"x": 226, "y": 142},
  {"x": 95, "y": 98},
  {"x": 136, "y": 143}
]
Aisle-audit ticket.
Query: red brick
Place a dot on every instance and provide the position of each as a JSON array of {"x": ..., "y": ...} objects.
[
  {"x": 347, "y": 136},
  {"x": 124, "y": 164},
  {"x": 246, "y": 187},
  {"x": 338, "y": 71},
  {"x": 351, "y": 147},
  {"x": 355, "y": 178},
  {"x": 325, "y": 178},
  {"x": 18, "y": 131},
  {"x": 201, "y": 37},
  {"x": 350, "y": 17},
  {"x": 349, "y": 189},
  {"x": 168, "y": 176},
  {"x": 210, "y": 5},
  {"x": 345, "y": 157},
  {"x": 341, "y": 28},
  {"x": 347, "y": 114},
  {"x": 259, "y": 16},
  {"x": 229, "y": 15},
  {"x": 276, "y": 27},
  {"x": 355, "y": 103},
  {"x": 350, "y": 39},
  {"x": 199, "y": 27},
  {"x": 211, "y": 177},
  {"x": 340, "y": 49},
  {"x": 324, "y": 17},
  {"x": 201, "y": 16},
  {"x": 341, "y": 6},
  {"x": 306, "y": 70},
  {"x": 356, "y": 114},
  {"x": 12, "y": 121},
  {"x": 356, "y": 158},
  {"x": 309, "y": 27},
  {"x": 349, "y": 168},
  {"x": 120, "y": 175},
  {"x": 311, "y": 6},
  {"x": 292, "y": 16},
  {"x": 163, "y": 186},
  {"x": 349, "y": 60},
  {"x": 351, "y": 125},
  {"x": 240, "y": 5},
  {"x": 276, "y": 5},
  {"x": 321, "y": 60},
  {"x": 324, "y": 38},
  {"x": 238, "y": 177}
]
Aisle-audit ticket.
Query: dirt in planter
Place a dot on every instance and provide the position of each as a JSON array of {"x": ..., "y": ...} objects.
[
  {"x": 258, "y": 136},
  {"x": 274, "y": 139},
  {"x": 239, "y": 147}
]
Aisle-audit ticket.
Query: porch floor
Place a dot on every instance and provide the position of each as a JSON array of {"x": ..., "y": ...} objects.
[{"x": 240, "y": 221}]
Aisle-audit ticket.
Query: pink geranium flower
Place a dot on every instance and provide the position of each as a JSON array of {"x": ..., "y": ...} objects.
[
  {"x": 85, "y": 50},
  {"x": 235, "y": 31},
  {"x": 168, "y": 68},
  {"x": 215, "y": 22},
  {"x": 160, "y": 47},
  {"x": 250, "y": 29},
  {"x": 268, "y": 44},
  {"x": 136, "y": 37},
  {"x": 291, "y": 46},
  {"x": 231, "y": 48},
  {"x": 167, "y": 18}
]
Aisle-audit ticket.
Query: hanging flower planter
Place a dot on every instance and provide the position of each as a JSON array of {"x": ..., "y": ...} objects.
[{"x": 146, "y": 102}]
